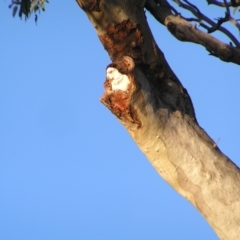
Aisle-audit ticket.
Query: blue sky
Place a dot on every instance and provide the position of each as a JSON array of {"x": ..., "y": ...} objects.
[{"x": 68, "y": 168}]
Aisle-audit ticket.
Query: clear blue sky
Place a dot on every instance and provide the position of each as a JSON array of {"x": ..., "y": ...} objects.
[{"x": 68, "y": 168}]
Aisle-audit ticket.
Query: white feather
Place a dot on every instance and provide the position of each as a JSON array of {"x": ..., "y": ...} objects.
[{"x": 119, "y": 81}]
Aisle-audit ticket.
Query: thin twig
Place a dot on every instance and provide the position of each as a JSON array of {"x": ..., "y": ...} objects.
[
  {"x": 227, "y": 7},
  {"x": 218, "y": 3},
  {"x": 219, "y": 23}
]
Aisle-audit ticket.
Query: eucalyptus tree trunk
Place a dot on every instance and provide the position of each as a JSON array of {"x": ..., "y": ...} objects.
[{"x": 146, "y": 96}]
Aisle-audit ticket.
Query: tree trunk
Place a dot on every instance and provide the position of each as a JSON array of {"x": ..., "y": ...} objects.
[{"x": 149, "y": 100}]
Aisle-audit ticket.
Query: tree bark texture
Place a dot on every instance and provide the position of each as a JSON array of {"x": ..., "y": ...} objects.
[{"x": 158, "y": 113}]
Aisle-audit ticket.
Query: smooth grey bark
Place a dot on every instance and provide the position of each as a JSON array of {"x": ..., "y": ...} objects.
[{"x": 149, "y": 100}]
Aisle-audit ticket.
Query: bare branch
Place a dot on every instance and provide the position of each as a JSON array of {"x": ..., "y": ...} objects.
[
  {"x": 184, "y": 31},
  {"x": 227, "y": 8},
  {"x": 219, "y": 23},
  {"x": 196, "y": 12},
  {"x": 227, "y": 18},
  {"x": 235, "y": 3},
  {"x": 218, "y": 3},
  {"x": 235, "y": 22}
]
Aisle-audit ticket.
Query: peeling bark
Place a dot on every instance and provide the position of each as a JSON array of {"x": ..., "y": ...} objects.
[{"x": 149, "y": 100}]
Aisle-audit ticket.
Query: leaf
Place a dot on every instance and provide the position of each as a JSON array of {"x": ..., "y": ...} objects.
[
  {"x": 14, "y": 11},
  {"x": 36, "y": 8},
  {"x": 36, "y": 18},
  {"x": 34, "y": 3},
  {"x": 41, "y": 4},
  {"x": 27, "y": 7}
]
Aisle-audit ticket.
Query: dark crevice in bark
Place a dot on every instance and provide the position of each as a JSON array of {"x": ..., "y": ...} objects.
[{"x": 170, "y": 90}]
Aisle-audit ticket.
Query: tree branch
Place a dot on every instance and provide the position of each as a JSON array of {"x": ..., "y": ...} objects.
[
  {"x": 219, "y": 4},
  {"x": 143, "y": 92},
  {"x": 196, "y": 12},
  {"x": 219, "y": 23},
  {"x": 184, "y": 31},
  {"x": 221, "y": 20}
]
